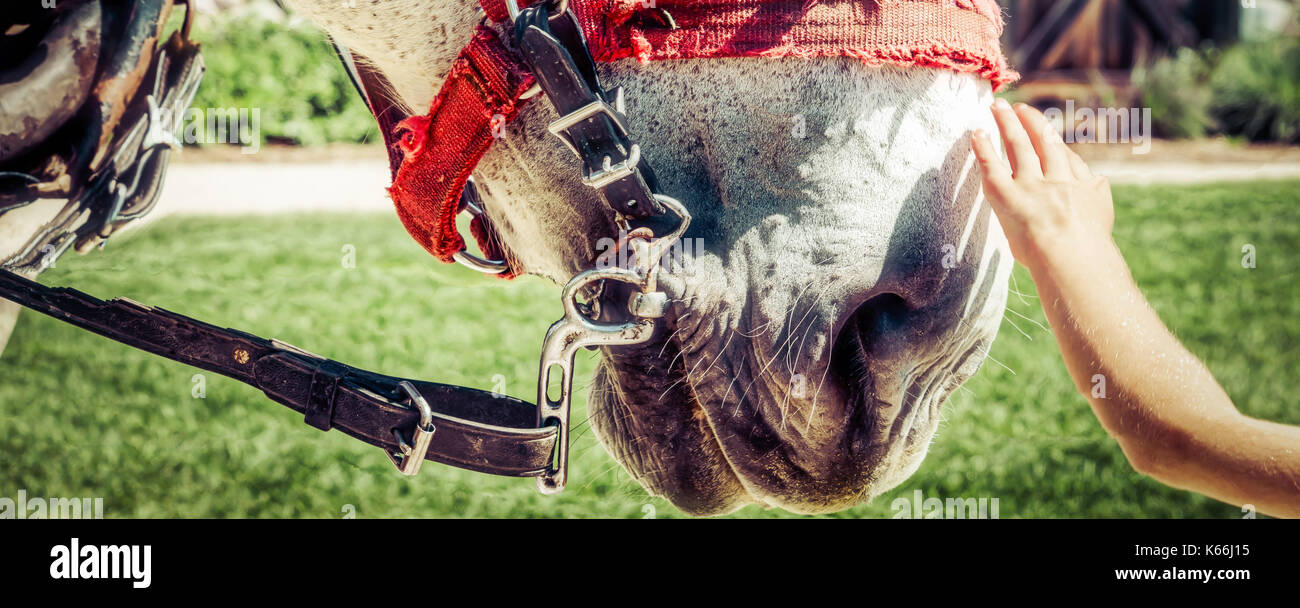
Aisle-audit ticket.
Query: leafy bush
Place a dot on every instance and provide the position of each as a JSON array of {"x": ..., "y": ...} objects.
[
  {"x": 1256, "y": 88},
  {"x": 1176, "y": 89},
  {"x": 290, "y": 73},
  {"x": 1250, "y": 90}
]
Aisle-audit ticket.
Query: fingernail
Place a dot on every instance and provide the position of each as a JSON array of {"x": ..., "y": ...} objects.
[
  {"x": 980, "y": 134},
  {"x": 1001, "y": 104}
]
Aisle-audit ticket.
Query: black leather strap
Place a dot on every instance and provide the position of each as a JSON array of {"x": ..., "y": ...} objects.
[
  {"x": 476, "y": 430},
  {"x": 557, "y": 55}
]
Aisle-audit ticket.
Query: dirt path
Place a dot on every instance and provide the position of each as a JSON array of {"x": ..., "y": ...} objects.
[
  {"x": 269, "y": 188},
  {"x": 1193, "y": 172},
  {"x": 354, "y": 178}
]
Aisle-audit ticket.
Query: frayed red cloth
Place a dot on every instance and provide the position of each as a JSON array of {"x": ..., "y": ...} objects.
[
  {"x": 481, "y": 95},
  {"x": 959, "y": 35},
  {"x": 441, "y": 150}
]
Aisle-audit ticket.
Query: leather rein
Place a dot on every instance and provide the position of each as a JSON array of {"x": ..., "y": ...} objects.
[{"x": 434, "y": 157}]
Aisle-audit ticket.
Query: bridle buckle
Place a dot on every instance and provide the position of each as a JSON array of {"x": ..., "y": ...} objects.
[
  {"x": 409, "y": 456},
  {"x": 608, "y": 173}
]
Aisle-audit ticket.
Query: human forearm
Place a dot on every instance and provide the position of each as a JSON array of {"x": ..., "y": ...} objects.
[
  {"x": 1163, "y": 406},
  {"x": 1139, "y": 378},
  {"x": 1169, "y": 415},
  {"x": 1157, "y": 399}
]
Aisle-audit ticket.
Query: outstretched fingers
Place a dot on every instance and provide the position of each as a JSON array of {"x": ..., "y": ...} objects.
[
  {"x": 1053, "y": 155},
  {"x": 1020, "y": 150},
  {"x": 996, "y": 175}
]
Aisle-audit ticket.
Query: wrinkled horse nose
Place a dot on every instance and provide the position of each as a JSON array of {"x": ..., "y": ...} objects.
[{"x": 803, "y": 301}]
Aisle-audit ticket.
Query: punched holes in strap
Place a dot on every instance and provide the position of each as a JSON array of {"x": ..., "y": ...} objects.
[{"x": 320, "y": 400}]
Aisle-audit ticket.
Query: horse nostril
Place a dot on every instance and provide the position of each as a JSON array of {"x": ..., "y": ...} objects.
[
  {"x": 883, "y": 313},
  {"x": 879, "y": 315},
  {"x": 860, "y": 331}
]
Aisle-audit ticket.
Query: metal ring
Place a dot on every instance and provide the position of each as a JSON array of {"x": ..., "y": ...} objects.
[
  {"x": 474, "y": 206},
  {"x": 478, "y": 264}
]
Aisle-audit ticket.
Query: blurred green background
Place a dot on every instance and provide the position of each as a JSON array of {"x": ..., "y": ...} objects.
[
  {"x": 248, "y": 55},
  {"x": 83, "y": 416}
]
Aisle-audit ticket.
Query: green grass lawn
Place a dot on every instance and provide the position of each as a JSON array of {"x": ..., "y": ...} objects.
[{"x": 84, "y": 417}]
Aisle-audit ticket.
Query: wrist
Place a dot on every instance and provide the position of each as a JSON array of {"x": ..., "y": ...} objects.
[{"x": 1074, "y": 252}]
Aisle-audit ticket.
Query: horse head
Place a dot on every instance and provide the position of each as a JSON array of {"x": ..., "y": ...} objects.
[{"x": 844, "y": 275}]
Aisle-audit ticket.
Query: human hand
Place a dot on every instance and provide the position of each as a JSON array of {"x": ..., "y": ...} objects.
[{"x": 1051, "y": 207}]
